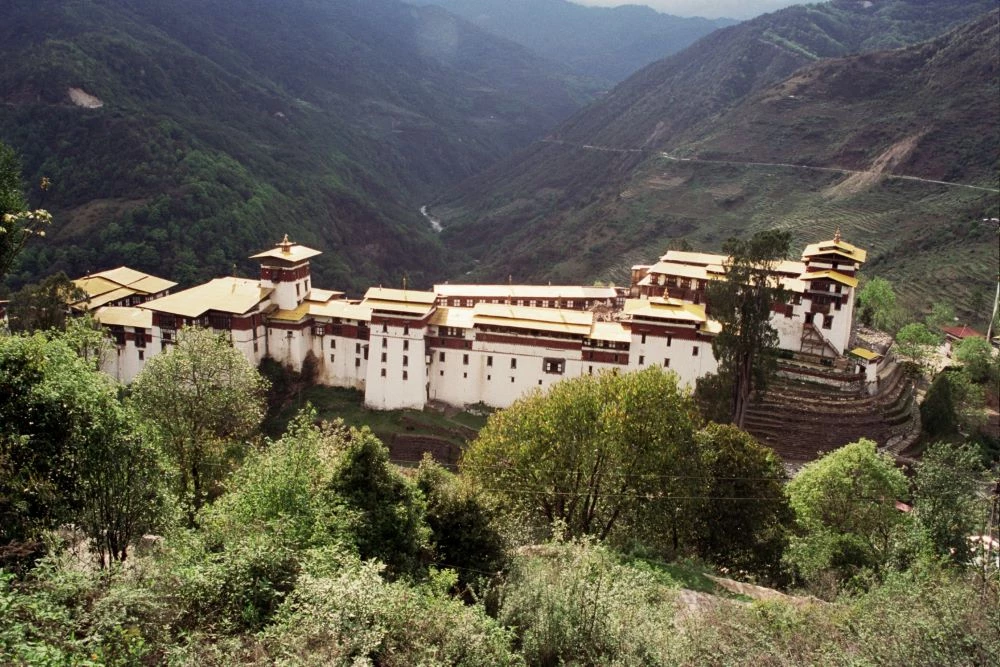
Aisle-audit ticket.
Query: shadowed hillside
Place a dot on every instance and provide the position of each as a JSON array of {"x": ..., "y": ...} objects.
[{"x": 181, "y": 135}]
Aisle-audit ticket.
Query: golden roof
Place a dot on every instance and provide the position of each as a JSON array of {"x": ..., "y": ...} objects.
[
  {"x": 400, "y": 295},
  {"x": 835, "y": 276},
  {"x": 152, "y": 285},
  {"x": 540, "y": 319},
  {"x": 296, "y": 314},
  {"x": 107, "y": 297},
  {"x": 790, "y": 266},
  {"x": 123, "y": 275},
  {"x": 867, "y": 355},
  {"x": 125, "y": 317},
  {"x": 288, "y": 251},
  {"x": 227, "y": 295},
  {"x": 611, "y": 331},
  {"x": 679, "y": 270},
  {"x": 525, "y": 291},
  {"x": 665, "y": 309},
  {"x": 323, "y": 295},
  {"x": 835, "y": 247},
  {"x": 95, "y": 285},
  {"x": 458, "y": 318},
  {"x": 342, "y": 309},
  {"x": 697, "y": 258}
]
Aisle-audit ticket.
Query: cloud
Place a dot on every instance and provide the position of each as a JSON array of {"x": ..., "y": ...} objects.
[{"x": 736, "y": 9}]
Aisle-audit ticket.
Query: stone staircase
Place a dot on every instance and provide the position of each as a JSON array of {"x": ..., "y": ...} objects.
[{"x": 800, "y": 419}]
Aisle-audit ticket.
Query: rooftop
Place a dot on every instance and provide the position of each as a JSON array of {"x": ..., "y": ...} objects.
[
  {"x": 835, "y": 247},
  {"x": 525, "y": 291},
  {"x": 227, "y": 295},
  {"x": 125, "y": 317},
  {"x": 288, "y": 251},
  {"x": 539, "y": 319}
]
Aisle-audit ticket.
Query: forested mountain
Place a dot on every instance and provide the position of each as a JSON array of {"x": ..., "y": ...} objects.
[
  {"x": 603, "y": 42},
  {"x": 783, "y": 88},
  {"x": 202, "y": 130}
]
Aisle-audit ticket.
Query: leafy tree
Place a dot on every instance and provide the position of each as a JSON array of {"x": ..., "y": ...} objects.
[
  {"x": 388, "y": 510},
  {"x": 976, "y": 355},
  {"x": 200, "y": 398},
  {"x": 941, "y": 315},
  {"x": 742, "y": 303},
  {"x": 52, "y": 408},
  {"x": 878, "y": 304},
  {"x": 938, "y": 416},
  {"x": 948, "y": 504},
  {"x": 916, "y": 343},
  {"x": 121, "y": 490},
  {"x": 463, "y": 531},
  {"x": 746, "y": 515},
  {"x": 845, "y": 510},
  {"x": 68, "y": 452},
  {"x": 595, "y": 453},
  {"x": 43, "y": 306},
  {"x": 17, "y": 223}
]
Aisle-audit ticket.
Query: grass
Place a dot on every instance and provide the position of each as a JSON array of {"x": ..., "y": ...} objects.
[{"x": 330, "y": 403}]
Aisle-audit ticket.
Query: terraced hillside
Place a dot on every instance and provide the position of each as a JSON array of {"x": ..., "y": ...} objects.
[{"x": 800, "y": 420}]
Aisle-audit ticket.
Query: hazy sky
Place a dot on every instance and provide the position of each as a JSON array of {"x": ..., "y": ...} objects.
[{"x": 737, "y": 9}]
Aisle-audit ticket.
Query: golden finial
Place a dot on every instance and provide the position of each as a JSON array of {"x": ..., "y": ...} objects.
[
  {"x": 404, "y": 283},
  {"x": 286, "y": 245},
  {"x": 836, "y": 236}
]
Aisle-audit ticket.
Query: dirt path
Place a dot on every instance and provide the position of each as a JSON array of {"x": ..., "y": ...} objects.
[{"x": 868, "y": 174}]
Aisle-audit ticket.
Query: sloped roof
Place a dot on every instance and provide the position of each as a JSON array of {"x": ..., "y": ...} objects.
[
  {"x": 835, "y": 276},
  {"x": 227, "y": 295},
  {"x": 835, "y": 247},
  {"x": 540, "y": 319},
  {"x": 125, "y": 317}
]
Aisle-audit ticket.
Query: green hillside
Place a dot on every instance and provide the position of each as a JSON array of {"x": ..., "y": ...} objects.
[
  {"x": 224, "y": 124},
  {"x": 608, "y": 183},
  {"x": 608, "y": 43}
]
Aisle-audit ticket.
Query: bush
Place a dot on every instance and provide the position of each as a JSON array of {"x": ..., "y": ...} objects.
[{"x": 345, "y": 613}]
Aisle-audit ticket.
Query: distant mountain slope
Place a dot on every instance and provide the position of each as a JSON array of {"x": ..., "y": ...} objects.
[
  {"x": 215, "y": 126},
  {"x": 740, "y": 96},
  {"x": 609, "y": 43}
]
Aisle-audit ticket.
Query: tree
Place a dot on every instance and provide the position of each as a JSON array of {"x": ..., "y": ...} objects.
[
  {"x": 878, "y": 304},
  {"x": 68, "y": 452},
  {"x": 916, "y": 343},
  {"x": 938, "y": 416},
  {"x": 594, "y": 454},
  {"x": 200, "y": 398},
  {"x": 17, "y": 223},
  {"x": 941, "y": 315},
  {"x": 463, "y": 532},
  {"x": 948, "y": 500},
  {"x": 742, "y": 303},
  {"x": 388, "y": 508},
  {"x": 745, "y": 518},
  {"x": 976, "y": 355},
  {"x": 43, "y": 306},
  {"x": 845, "y": 510}
]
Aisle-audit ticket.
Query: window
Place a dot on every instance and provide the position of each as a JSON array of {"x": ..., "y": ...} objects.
[
  {"x": 255, "y": 347},
  {"x": 465, "y": 360},
  {"x": 142, "y": 355},
  {"x": 385, "y": 357},
  {"x": 642, "y": 360},
  {"x": 513, "y": 362},
  {"x": 140, "y": 337},
  {"x": 532, "y": 303},
  {"x": 406, "y": 345},
  {"x": 465, "y": 375},
  {"x": 385, "y": 343},
  {"x": 385, "y": 328},
  {"x": 557, "y": 366},
  {"x": 569, "y": 304},
  {"x": 405, "y": 375},
  {"x": 383, "y": 372},
  {"x": 297, "y": 286},
  {"x": 489, "y": 361},
  {"x": 441, "y": 357},
  {"x": 670, "y": 339},
  {"x": 545, "y": 303},
  {"x": 827, "y": 322},
  {"x": 590, "y": 370},
  {"x": 331, "y": 358},
  {"x": 333, "y": 343},
  {"x": 489, "y": 377},
  {"x": 539, "y": 383},
  {"x": 468, "y": 303},
  {"x": 441, "y": 373},
  {"x": 357, "y": 348},
  {"x": 406, "y": 360},
  {"x": 512, "y": 380},
  {"x": 643, "y": 339},
  {"x": 406, "y": 331},
  {"x": 357, "y": 362},
  {"x": 666, "y": 363},
  {"x": 694, "y": 351}
]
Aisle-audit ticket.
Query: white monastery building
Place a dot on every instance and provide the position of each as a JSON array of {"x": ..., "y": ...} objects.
[{"x": 469, "y": 344}]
